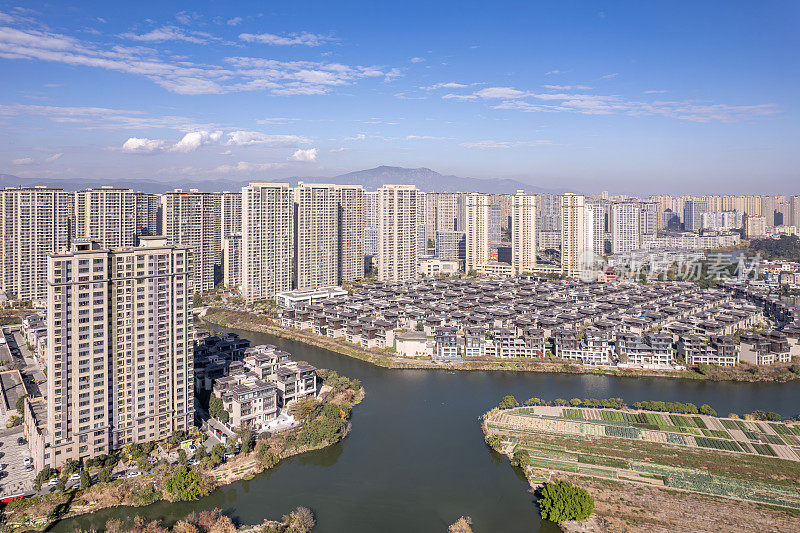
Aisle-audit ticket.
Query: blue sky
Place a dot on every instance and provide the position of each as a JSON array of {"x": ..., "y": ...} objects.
[{"x": 633, "y": 97}]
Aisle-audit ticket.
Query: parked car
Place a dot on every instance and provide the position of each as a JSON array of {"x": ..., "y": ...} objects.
[
  {"x": 74, "y": 477},
  {"x": 134, "y": 473},
  {"x": 28, "y": 461},
  {"x": 194, "y": 462},
  {"x": 21, "y": 441},
  {"x": 228, "y": 455},
  {"x": 53, "y": 482}
]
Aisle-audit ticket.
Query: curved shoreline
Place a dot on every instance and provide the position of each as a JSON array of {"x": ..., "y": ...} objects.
[{"x": 247, "y": 321}]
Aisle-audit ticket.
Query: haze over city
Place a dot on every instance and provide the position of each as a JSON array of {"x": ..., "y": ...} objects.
[{"x": 636, "y": 98}]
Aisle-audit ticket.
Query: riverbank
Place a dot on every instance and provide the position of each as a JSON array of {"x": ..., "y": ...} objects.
[
  {"x": 644, "y": 479},
  {"x": 252, "y": 322},
  {"x": 326, "y": 423}
]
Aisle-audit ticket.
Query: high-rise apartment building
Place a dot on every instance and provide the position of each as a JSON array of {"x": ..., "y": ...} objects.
[
  {"x": 445, "y": 211},
  {"x": 350, "y": 205},
  {"x": 574, "y": 245},
  {"x": 266, "y": 240},
  {"x": 523, "y": 232},
  {"x": 755, "y": 227},
  {"x": 119, "y": 348},
  {"x": 794, "y": 211},
  {"x": 625, "y": 225},
  {"x": 231, "y": 213},
  {"x": 329, "y": 234},
  {"x": 692, "y": 214},
  {"x": 596, "y": 226},
  {"x": 34, "y": 221},
  {"x": 106, "y": 215},
  {"x": 451, "y": 245},
  {"x": 193, "y": 218},
  {"x": 397, "y": 232},
  {"x": 148, "y": 214},
  {"x": 478, "y": 222},
  {"x": 648, "y": 220},
  {"x": 232, "y": 260},
  {"x": 549, "y": 212}
]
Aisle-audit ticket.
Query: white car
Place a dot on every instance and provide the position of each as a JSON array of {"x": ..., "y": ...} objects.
[
  {"x": 75, "y": 477},
  {"x": 27, "y": 461},
  {"x": 53, "y": 482},
  {"x": 134, "y": 473}
]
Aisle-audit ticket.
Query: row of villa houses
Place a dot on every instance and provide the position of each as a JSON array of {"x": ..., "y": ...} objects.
[{"x": 615, "y": 323}]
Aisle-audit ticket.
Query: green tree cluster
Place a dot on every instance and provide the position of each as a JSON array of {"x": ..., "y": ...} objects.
[
  {"x": 561, "y": 501},
  {"x": 508, "y": 402},
  {"x": 217, "y": 409},
  {"x": 187, "y": 484},
  {"x": 669, "y": 407}
]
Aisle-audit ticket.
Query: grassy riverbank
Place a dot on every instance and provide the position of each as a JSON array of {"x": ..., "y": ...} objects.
[
  {"x": 259, "y": 323},
  {"x": 326, "y": 423}
]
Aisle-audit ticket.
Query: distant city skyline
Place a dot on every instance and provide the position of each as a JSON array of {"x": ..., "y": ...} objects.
[{"x": 635, "y": 99}]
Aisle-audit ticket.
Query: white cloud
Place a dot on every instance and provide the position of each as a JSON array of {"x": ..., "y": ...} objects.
[
  {"x": 53, "y": 158},
  {"x": 424, "y": 138},
  {"x": 452, "y": 96},
  {"x": 180, "y": 75},
  {"x": 417, "y": 59},
  {"x": 304, "y": 155},
  {"x": 357, "y": 137},
  {"x": 448, "y": 85},
  {"x": 23, "y": 161},
  {"x": 336, "y": 150},
  {"x": 235, "y": 21},
  {"x": 139, "y": 145},
  {"x": 553, "y": 72},
  {"x": 662, "y": 91},
  {"x": 168, "y": 33},
  {"x": 305, "y": 39},
  {"x": 501, "y": 92},
  {"x": 568, "y": 87},
  {"x": 246, "y": 138},
  {"x": 502, "y": 145},
  {"x": 194, "y": 140},
  {"x": 609, "y": 76},
  {"x": 244, "y": 166}
]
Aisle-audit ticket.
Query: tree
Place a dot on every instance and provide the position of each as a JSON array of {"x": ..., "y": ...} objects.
[
  {"x": 247, "y": 438},
  {"x": 706, "y": 409},
  {"x": 86, "y": 481},
  {"x": 508, "y": 402},
  {"x": 105, "y": 474},
  {"x": 561, "y": 500},
  {"x": 201, "y": 453},
  {"x": 182, "y": 459},
  {"x": 301, "y": 520},
  {"x": 704, "y": 369},
  {"x": 186, "y": 484},
  {"x": 533, "y": 401},
  {"x": 21, "y": 404},
  {"x": 44, "y": 474},
  {"x": 303, "y": 407},
  {"x": 795, "y": 369},
  {"x": 216, "y": 408}
]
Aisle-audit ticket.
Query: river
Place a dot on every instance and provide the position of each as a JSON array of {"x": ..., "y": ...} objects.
[{"x": 416, "y": 460}]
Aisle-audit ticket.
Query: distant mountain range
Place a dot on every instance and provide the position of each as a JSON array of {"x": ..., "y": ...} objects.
[{"x": 424, "y": 178}]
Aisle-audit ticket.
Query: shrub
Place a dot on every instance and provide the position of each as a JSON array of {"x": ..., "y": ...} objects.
[
  {"x": 494, "y": 442},
  {"x": 533, "y": 401},
  {"x": 186, "y": 484},
  {"x": 561, "y": 501},
  {"x": 704, "y": 369},
  {"x": 706, "y": 409},
  {"x": 794, "y": 369},
  {"x": 508, "y": 402}
]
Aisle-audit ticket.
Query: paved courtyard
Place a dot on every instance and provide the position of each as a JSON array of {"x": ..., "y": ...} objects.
[{"x": 15, "y": 478}]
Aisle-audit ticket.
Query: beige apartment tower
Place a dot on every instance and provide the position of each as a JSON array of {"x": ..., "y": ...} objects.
[
  {"x": 397, "y": 232},
  {"x": 266, "y": 240},
  {"x": 34, "y": 222},
  {"x": 573, "y": 234},
  {"x": 106, "y": 215},
  {"x": 477, "y": 228},
  {"x": 119, "y": 347},
  {"x": 193, "y": 218},
  {"x": 523, "y": 233}
]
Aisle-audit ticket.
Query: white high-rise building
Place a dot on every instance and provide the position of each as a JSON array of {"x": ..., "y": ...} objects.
[
  {"x": 329, "y": 234},
  {"x": 596, "y": 222},
  {"x": 231, "y": 213},
  {"x": 350, "y": 199},
  {"x": 232, "y": 260},
  {"x": 148, "y": 214},
  {"x": 625, "y": 224},
  {"x": 523, "y": 232},
  {"x": 397, "y": 233},
  {"x": 119, "y": 348},
  {"x": 445, "y": 211},
  {"x": 193, "y": 218},
  {"x": 478, "y": 222},
  {"x": 34, "y": 221},
  {"x": 266, "y": 240},
  {"x": 574, "y": 245},
  {"x": 106, "y": 215},
  {"x": 794, "y": 211}
]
